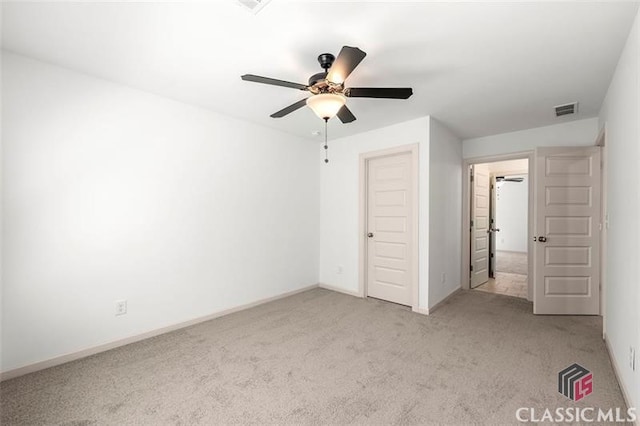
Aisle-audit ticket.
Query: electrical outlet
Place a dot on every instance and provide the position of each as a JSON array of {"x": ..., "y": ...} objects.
[
  {"x": 340, "y": 269},
  {"x": 632, "y": 358},
  {"x": 121, "y": 307},
  {"x": 443, "y": 278}
]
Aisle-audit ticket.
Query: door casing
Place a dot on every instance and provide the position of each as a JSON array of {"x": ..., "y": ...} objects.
[
  {"x": 413, "y": 151},
  {"x": 601, "y": 141},
  {"x": 466, "y": 214}
]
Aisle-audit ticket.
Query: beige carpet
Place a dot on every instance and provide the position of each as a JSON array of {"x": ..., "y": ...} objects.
[{"x": 321, "y": 357}]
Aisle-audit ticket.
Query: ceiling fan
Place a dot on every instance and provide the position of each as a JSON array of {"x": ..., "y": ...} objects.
[
  {"x": 507, "y": 179},
  {"x": 328, "y": 93}
]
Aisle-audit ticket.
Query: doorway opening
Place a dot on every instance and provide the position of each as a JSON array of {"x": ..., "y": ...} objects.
[{"x": 499, "y": 243}]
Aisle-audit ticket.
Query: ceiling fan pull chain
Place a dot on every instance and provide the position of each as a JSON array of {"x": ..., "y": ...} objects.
[{"x": 326, "y": 147}]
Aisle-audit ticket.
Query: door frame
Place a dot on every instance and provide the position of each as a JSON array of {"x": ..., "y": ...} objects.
[
  {"x": 466, "y": 214},
  {"x": 413, "y": 151},
  {"x": 493, "y": 198},
  {"x": 601, "y": 141}
]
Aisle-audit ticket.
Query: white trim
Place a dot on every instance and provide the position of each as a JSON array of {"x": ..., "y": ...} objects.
[
  {"x": 601, "y": 141},
  {"x": 62, "y": 359},
  {"x": 340, "y": 290},
  {"x": 413, "y": 150},
  {"x": 616, "y": 372},
  {"x": 466, "y": 213},
  {"x": 421, "y": 311}
]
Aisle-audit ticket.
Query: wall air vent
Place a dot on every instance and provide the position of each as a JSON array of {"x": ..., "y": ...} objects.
[
  {"x": 254, "y": 6},
  {"x": 566, "y": 109}
]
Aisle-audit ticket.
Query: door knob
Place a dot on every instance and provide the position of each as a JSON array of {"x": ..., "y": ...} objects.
[
  {"x": 370, "y": 235},
  {"x": 542, "y": 239}
]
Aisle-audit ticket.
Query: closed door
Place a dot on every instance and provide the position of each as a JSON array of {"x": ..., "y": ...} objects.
[
  {"x": 389, "y": 228},
  {"x": 567, "y": 220},
  {"x": 479, "y": 225}
]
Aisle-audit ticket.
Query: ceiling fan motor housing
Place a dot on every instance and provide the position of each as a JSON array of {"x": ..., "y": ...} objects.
[
  {"x": 326, "y": 60},
  {"x": 317, "y": 78},
  {"x": 318, "y": 82}
]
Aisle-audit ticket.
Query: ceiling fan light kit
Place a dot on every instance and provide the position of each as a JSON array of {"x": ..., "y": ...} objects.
[
  {"x": 326, "y": 105},
  {"x": 328, "y": 94}
]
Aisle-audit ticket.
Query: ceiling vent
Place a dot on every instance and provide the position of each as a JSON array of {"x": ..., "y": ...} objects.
[
  {"x": 254, "y": 6},
  {"x": 566, "y": 109}
]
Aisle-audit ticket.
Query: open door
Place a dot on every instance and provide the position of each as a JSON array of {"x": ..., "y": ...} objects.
[
  {"x": 479, "y": 225},
  {"x": 567, "y": 229},
  {"x": 492, "y": 226}
]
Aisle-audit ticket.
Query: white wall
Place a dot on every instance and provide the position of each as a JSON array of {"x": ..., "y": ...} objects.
[
  {"x": 512, "y": 214},
  {"x": 621, "y": 114},
  {"x": 445, "y": 212},
  {"x": 1, "y": 218},
  {"x": 509, "y": 167},
  {"x": 572, "y": 133},
  {"x": 339, "y": 202},
  {"x": 113, "y": 193}
]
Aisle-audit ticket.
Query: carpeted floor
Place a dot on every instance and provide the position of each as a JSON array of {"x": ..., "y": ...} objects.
[{"x": 325, "y": 358}]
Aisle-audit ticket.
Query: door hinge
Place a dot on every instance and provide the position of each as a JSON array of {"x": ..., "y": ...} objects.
[
  {"x": 472, "y": 223},
  {"x": 492, "y": 255},
  {"x": 471, "y": 268},
  {"x": 471, "y": 178}
]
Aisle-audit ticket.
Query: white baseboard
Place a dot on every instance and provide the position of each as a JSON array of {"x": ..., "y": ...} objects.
[
  {"x": 339, "y": 290},
  {"x": 616, "y": 371},
  {"x": 442, "y": 302},
  {"x": 62, "y": 359},
  {"x": 422, "y": 311}
]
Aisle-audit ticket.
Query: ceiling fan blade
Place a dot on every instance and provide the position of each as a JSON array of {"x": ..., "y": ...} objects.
[
  {"x": 379, "y": 92},
  {"x": 347, "y": 60},
  {"x": 508, "y": 179},
  {"x": 273, "y": 81},
  {"x": 289, "y": 109},
  {"x": 345, "y": 115}
]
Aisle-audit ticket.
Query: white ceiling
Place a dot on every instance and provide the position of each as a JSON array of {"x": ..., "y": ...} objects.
[{"x": 481, "y": 68}]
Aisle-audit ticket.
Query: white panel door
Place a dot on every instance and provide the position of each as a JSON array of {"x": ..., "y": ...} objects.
[
  {"x": 389, "y": 242},
  {"x": 493, "y": 225},
  {"x": 567, "y": 221},
  {"x": 480, "y": 225}
]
